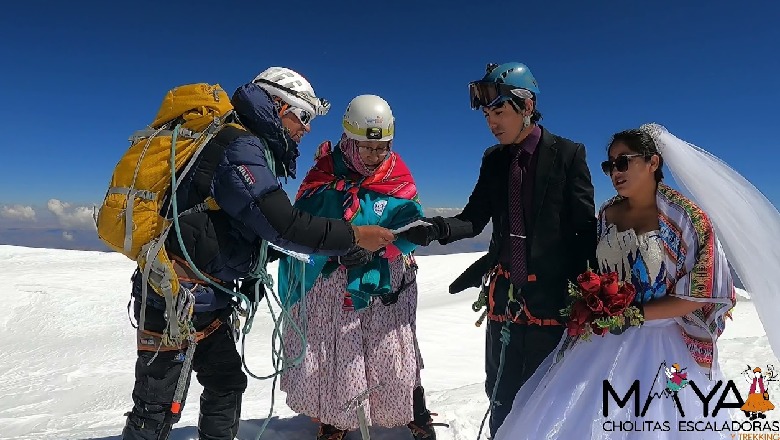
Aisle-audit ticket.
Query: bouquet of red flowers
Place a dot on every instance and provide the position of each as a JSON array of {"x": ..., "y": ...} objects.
[{"x": 601, "y": 303}]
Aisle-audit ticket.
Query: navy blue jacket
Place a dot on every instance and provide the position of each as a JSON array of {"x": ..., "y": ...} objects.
[{"x": 253, "y": 206}]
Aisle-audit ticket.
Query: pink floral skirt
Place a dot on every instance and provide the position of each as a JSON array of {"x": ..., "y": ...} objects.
[{"x": 350, "y": 352}]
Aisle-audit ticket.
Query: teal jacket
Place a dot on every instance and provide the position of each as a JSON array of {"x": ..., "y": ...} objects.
[{"x": 327, "y": 199}]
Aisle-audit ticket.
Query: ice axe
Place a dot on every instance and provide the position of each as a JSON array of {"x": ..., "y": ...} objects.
[{"x": 357, "y": 404}]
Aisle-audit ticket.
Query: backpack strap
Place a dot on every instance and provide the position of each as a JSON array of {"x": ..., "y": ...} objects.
[
  {"x": 161, "y": 271},
  {"x": 212, "y": 156},
  {"x": 149, "y": 132}
]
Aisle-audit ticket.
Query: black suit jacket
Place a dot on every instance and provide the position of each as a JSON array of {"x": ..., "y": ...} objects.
[{"x": 561, "y": 231}]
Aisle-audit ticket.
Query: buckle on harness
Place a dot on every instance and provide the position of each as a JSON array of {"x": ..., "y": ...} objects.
[
  {"x": 153, "y": 341},
  {"x": 517, "y": 316},
  {"x": 516, "y": 310},
  {"x": 524, "y": 317}
]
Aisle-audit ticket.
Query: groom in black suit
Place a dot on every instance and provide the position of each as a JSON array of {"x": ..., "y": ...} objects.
[{"x": 536, "y": 188}]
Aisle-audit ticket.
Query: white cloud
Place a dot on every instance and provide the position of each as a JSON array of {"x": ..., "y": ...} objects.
[
  {"x": 444, "y": 212},
  {"x": 68, "y": 236},
  {"x": 71, "y": 217},
  {"x": 18, "y": 212}
]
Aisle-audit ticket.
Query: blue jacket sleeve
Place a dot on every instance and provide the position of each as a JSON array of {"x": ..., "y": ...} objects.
[{"x": 247, "y": 190}]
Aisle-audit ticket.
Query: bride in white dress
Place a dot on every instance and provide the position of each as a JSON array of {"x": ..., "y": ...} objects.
[{"x": 668, "y": 247}]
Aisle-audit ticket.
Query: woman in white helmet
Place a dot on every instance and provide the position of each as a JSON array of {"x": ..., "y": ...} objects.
[
  {"x": 239, "y": 169},
  {"x": 360, "y": 308}
]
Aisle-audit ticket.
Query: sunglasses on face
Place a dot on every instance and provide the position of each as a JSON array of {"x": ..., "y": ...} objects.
[
  {"x": 619, "y": 163},
  {"x": 303, "y": 115}
]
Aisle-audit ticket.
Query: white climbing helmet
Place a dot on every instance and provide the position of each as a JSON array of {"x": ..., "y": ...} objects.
[
  {"x": 369, "y": 118},
  {"x": 292, "y": 88}
]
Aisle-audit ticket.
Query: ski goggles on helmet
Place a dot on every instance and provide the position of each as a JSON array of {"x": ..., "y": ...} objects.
[{"x": 489, "y": 93}]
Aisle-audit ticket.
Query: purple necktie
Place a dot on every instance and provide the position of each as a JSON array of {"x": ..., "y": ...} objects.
[{"x": 517, "y": 234}]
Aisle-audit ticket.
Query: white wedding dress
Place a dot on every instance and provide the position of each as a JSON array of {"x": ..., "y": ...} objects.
[{"x": 564, "y": 398}]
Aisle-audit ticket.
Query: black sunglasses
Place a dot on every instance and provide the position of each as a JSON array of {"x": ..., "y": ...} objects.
[{"x": 620, "y": 163}]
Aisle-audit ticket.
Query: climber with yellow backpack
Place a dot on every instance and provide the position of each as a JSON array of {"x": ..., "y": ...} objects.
[{"x": 196, "y": 201}]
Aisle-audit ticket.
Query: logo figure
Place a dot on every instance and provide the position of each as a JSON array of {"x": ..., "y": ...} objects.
[
  {"x": 676, "y": 378},
  {"x": 379, "y": 207},
  {"x": 758, "y": 402}
]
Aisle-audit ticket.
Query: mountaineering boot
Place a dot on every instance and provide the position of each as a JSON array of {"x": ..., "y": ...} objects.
[
  {"x": 330, "y": 432},
  {"x": 422, "y": 425},
  {"x": 220, "y": 415},
  {"x": 138, "y": 428}
]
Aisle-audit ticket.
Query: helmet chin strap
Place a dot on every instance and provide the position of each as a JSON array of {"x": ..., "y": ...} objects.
[
  {"x": 282, "y": 108},
  {"x": 526, "y": 124},
  {"x": 526, "y": 121}
]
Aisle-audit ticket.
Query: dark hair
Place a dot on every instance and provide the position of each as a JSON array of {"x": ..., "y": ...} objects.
[
  {"x": 519, "y": 104},
  {"x": 640, "y": 142}
]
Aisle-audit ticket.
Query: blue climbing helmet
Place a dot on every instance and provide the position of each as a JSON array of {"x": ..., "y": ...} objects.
[{"x": 502, "y": 82}]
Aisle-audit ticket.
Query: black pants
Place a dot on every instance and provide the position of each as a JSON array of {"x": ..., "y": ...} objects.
[
  {"x": 528, "y": 346},
  {"x": 218, "y": 367}
]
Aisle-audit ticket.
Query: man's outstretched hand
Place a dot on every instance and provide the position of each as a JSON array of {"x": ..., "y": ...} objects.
[{"x": 425, "y": 235}]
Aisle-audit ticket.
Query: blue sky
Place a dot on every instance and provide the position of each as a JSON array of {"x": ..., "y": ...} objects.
[{"x": 80, "y": 77}]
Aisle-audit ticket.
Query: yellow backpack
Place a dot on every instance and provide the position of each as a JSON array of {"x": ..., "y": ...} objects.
[{"x": 130, "y": 220}]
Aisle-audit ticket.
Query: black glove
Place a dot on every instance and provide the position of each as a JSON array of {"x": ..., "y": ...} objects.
[
  {"x": 248, "y": 288},
  {"x": 273, "y": 254},
  {"x": 425, "y": 235},
  {"x": 357, "y": 256},
  {"x": 391, "y": 298}
]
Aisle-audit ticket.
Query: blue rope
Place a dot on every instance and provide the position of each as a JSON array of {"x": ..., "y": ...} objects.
[
  {"x": 260, "y": 273},
  {"x": 505, "y": 337},
  {"x": 177, "y": 228},
  {"x": 277, "y": 353},
  {"x": 278, "y": 358}
]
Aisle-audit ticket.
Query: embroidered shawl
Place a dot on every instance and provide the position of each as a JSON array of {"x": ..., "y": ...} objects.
[
  {"x": 697, "y": 270},
  {"x": 388, "y": 198}
]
